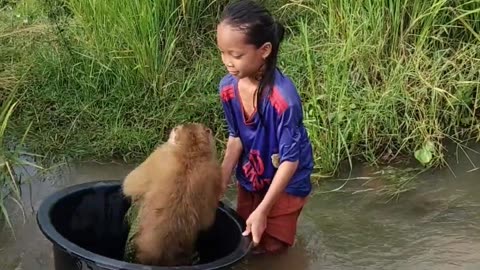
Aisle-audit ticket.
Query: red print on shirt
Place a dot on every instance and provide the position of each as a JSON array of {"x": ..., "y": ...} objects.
[
  {"x": 227, "y": 93},
  {"x": 253, "y": 169}
]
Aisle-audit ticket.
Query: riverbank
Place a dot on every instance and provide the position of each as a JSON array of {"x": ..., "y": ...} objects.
[{"x": 379, "y": 81}]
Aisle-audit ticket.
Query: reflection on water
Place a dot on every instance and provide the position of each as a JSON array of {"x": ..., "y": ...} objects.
[{"x": 436, "y": 226}]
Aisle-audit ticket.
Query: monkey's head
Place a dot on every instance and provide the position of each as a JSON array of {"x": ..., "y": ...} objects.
[{"x": 193, "y": 137}]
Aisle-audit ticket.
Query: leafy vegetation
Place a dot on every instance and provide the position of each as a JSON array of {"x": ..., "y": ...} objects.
[{"x": 380, "y": 80}]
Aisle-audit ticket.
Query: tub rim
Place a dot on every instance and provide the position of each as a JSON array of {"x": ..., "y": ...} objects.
[{"x": 58, "y": 241}]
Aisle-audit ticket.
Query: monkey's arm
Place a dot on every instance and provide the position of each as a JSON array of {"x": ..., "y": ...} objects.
[
  {"x": 136, "y": 183},
  {"x": 159, "y": 166},
  {"x": 232, "y": 154}
]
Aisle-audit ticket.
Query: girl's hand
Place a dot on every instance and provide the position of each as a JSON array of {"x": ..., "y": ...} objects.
[
  {"x": 256, "y": 224},
  {"x": 257, "y": 221}
]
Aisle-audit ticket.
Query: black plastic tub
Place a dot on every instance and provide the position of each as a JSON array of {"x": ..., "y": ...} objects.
[{"x": 85, "y": 224}]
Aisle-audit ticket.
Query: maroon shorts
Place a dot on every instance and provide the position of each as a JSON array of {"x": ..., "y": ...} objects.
[{"x": 281, "y": 221}]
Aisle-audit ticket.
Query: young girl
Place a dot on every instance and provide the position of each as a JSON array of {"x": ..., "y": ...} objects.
[{"x": 267, "y": 142}]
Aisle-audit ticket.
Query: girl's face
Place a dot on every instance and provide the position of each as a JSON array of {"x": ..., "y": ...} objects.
[{"x": 241, "y": 59}]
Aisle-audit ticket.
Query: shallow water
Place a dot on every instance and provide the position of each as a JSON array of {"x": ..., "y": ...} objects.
[
  {"x": 30, "y": 249},
  {"x": 436, "y": 226}
]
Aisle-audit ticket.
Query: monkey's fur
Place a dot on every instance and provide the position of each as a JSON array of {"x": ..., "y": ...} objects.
[{"x": 177, "y": 189}]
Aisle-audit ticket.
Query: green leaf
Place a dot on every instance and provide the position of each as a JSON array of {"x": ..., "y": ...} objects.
[{"x": 423, "y": 155}]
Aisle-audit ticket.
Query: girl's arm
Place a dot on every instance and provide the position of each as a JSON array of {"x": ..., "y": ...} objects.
[
  {"x": 280, "y": 180},
  {"x": 257, "y": 221},
  {"x": 231, "y": 157},
  {"x": 288, "y": 136}
]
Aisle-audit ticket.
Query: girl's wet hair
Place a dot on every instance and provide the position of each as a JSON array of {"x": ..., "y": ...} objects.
[{"x": 259, "y": 27}]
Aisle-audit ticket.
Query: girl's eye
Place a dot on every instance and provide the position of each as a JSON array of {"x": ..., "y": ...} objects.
[{"x": 237, "y": 56}]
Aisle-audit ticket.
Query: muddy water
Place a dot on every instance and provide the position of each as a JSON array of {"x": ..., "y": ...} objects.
[
  {"x": 435, "y": 226},
  {"x": 30, "y": 249}
]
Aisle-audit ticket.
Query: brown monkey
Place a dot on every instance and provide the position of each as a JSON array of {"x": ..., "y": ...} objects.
[{"x": 177, "y": 189}]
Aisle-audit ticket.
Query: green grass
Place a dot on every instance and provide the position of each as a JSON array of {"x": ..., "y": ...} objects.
[
  {"x": 380, "y": 80},
  {"x": 12, "y": 157},
  {"x": 118, "y": 86},
  {"x": 8, "y": 185},
  {"x": 14, "y": 75},
  {"x": 383, "y": 78}
]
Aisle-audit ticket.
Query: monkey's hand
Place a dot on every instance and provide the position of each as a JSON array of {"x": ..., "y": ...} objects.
[{"x": 136, "y": 184}]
